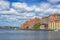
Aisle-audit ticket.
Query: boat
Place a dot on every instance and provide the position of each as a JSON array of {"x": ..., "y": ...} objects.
[{"x": 56, "y": 30}]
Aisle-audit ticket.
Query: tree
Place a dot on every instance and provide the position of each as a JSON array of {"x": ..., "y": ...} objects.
[{"x": 36, "y": 26}]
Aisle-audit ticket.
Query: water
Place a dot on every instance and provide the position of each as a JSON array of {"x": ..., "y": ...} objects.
[{"x": 6, "y": 34}]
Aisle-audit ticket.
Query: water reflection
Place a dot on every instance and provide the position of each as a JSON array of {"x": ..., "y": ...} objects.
[
  {"x": 40, "y": 35},
  {"x": 28, "y": 35}
]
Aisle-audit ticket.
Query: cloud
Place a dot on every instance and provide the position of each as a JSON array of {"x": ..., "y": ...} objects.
[
  {"x": 4, "y": 5},
  {"x": 54, "y": 1},
  {"x": 23, "y": 7},
  {"x": 18, "y": 5},
  {"x": 47, "y": 8},
  {"x": 41, "y": 9},
  {"x": 30, "y": 8},
  {"x": 58, "y": 6},
  {"x": 29, "y": 14},
  {"x": 43, "y": 6},
  {"x": 10, "y": 11},
  {"x": 13, "y": 15},
  {"x": 23, "y": 11}
]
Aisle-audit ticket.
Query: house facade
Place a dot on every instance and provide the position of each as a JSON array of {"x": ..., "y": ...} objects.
[
  {"x": 54, "y": 22},
  {"x": 47, "y": 22},
  {"x": 51, "y": 21},
  {"x": 30, "y": 23},
  {"x": 44, "y": 22}
]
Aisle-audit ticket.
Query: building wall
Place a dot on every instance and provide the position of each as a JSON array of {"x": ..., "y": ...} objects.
[
  {"x": 53, "y": 22},
  {"x": 30, "y": 23},
  {"x": 58, "y": 17},
  {"x": 42, "y": 27},
  {"x": 45, "y": 20},
  {"x": 53, "y": 17},
  {"x": 54, "y": 25},
  {"x": 51, "y": 25}
]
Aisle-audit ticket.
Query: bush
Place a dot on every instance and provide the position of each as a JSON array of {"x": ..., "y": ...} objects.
[{"x": 36, "y": 26}]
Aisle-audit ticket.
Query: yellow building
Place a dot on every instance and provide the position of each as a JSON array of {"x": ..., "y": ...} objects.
[
  {"x": 53, "y": 21},
  {"x": 47, "y": 22},
  {"x": 54, "y": 25}
]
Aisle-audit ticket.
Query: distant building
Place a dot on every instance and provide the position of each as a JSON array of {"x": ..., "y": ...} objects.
[
  {"x": 30, "y": 23},
  {"x": 51, "y": 21},
  {"x": 44, "y": 22},
  {"x": 47, "y": 22},
  {"x": 54, "y": 22}
]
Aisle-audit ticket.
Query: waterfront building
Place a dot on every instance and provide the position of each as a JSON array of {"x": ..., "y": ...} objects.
[
  {"x": 51, "y": 22},
  {"x": 48, "y": 22},
  {"x": 30, "y": 23},
  {"x": 44, "y": 22},
  {"x": 54, "y": 22}
]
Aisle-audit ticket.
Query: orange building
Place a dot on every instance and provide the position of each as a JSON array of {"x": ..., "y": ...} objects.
[
  {"x": 54, "y": 22},
  {"x": 51, "y": 21},
  {"x": 45, "y": 20},
  {"x": 24, "y": 25},
  {"x": 30, "y": 23}
]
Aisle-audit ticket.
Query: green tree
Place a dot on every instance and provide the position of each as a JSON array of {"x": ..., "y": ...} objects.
[{"x": 36, "y": 26}]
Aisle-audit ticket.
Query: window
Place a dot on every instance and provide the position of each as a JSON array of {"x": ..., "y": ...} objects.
[{"x": 58, "y": 17}]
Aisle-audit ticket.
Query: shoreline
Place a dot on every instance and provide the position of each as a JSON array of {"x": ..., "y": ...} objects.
[
  {"x": 37, "y": 29},
  {"x": 32, "y": 29}
]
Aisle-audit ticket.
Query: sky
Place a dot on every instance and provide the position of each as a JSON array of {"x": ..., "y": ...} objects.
[{"x": 16, "y": 12}]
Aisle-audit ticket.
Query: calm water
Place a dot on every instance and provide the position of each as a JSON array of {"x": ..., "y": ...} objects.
[{"x": 6, "y": 34}]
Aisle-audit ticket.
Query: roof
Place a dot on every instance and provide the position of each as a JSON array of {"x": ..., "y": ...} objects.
[
  {"x": 44, "y": 17},
  {"x": 55, "y": 14},
  {"x": 51, "y": 15}
]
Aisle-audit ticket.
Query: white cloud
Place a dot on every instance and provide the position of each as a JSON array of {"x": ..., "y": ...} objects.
[
  {"x": 45, "y": 5},
  {"x": 35, "y": 16},
  {"x": 29, "y": 14},
  {"x": 4, "y": 5},
  {"x": 11, "y": 11},
  {"x": 24, "y": 11},
  {"x": 21, "y": 7},
  {"x": 18, "y": 5},
  {"x": 42, "y": 7},
  {"x": 47, "y": 8},
  {"x": 58, "y": 6},
  {"x": 30, "y": 8},
  {"x": 54, "y": 1},
  {"x": 13, "y": 15},
  {"x": 12, "y": 18}
]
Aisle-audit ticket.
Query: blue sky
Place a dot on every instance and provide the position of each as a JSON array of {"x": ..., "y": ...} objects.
[{"x": 15, "y": 12}]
